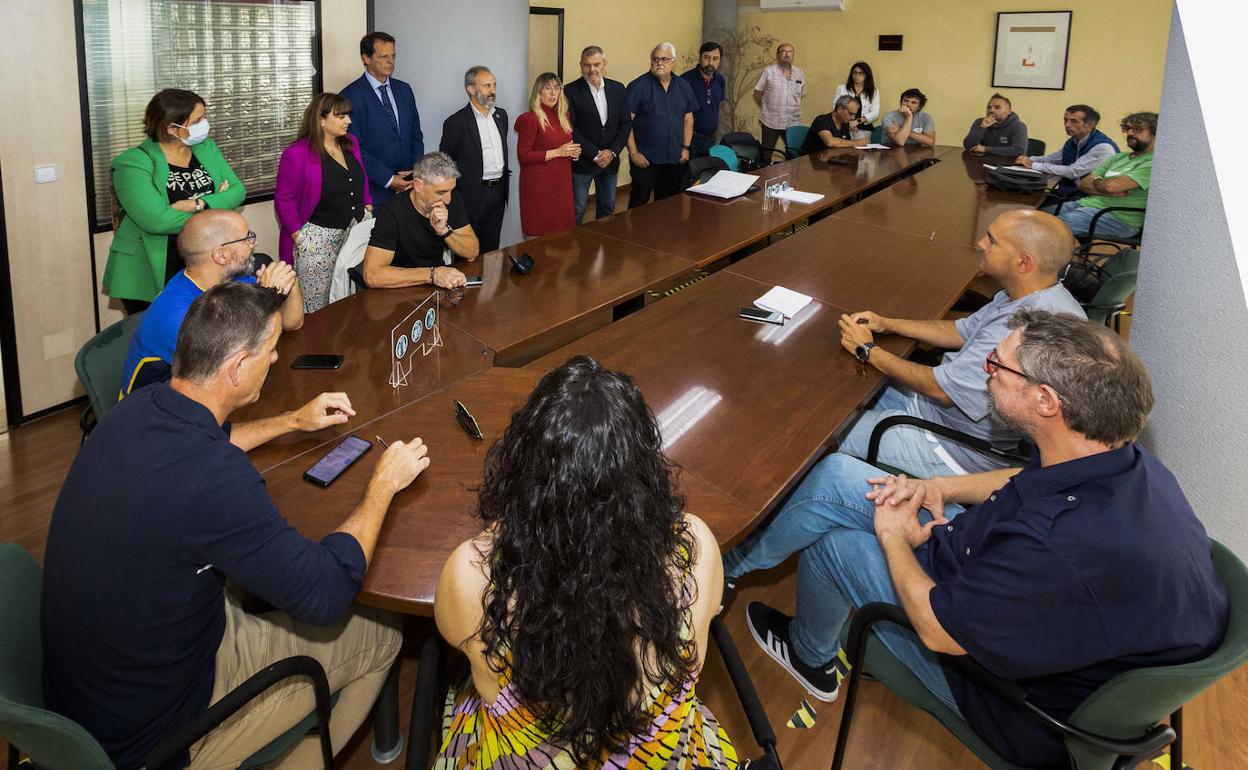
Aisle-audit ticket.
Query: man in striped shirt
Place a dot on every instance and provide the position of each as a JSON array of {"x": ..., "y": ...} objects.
[{"x": 778, "y": 94}]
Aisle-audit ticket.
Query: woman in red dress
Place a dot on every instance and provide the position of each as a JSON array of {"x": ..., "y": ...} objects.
[{"x": 545, "y": 148}]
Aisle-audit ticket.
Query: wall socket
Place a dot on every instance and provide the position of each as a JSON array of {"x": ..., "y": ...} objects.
[{"x": 45, "y": 174}]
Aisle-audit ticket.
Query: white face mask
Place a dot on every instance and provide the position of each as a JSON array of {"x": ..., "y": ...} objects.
[{"x": 196, "y": 133}]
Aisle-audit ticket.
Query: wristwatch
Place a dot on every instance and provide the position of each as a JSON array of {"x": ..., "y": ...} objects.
[
  {"x": 200, "y": 205},
  {"x": 435, "y": 267},
  {"x": 863, "y": 351},
  {"x": 686, "y": 147}
]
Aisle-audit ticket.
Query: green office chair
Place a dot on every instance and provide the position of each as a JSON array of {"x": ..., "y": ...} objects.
[
  {"x": 1110, "y": 302},
  {"x": 794, "y": 138},
  {"x": 727, "y": 156},
  {"x": 52, "y": 742},
  {"x": 1131, "y": 705},
  {"x": 877, "y": 135},
  {"x": 99, "y": 366}
]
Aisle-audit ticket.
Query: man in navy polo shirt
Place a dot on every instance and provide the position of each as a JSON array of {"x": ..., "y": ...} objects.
[
  {"x": 708, "y": 88},
  {"x": 658, "y": 149},
  {"x": 161, "y": 507},
  {"x": 1053, "y": 577}
]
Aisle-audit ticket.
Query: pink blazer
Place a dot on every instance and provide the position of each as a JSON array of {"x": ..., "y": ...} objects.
[{"x": 298, "y": 190}]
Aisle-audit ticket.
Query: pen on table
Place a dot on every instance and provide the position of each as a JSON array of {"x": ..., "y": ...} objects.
[
  {"x": 382, "y": 441},
  {"x": 932, "y": 237}
]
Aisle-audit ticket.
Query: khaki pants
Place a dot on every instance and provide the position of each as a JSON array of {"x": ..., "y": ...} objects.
[{"x": 356, "y": 653}]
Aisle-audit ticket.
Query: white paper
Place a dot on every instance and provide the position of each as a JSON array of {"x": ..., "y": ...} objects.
[
  {"x": 780, "y": 299},
  {"x": 797, "y": 196},
  {"x": 725, "y": 184},
  {"x": 875, "y": 146},
  {"x": 1013, "y": 168}
]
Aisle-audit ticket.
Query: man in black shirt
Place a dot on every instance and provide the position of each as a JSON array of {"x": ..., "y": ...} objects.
[
  {"x": 833, "y": 129},
  {"x": 417, "y": 234}
]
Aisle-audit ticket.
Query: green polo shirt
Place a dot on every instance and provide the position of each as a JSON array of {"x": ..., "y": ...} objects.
[{"x": 1139, "y": 168}]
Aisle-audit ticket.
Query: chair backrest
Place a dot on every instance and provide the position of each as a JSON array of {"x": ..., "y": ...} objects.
[
  {"x": 51, "y": 740},
  {"x": 726, "y": 155},
  {"x": 100, "y": 362},
  {"x": 1035, "y": 146},
  {"x": 1111, "y": 297},
  {"x": 702, "y": 169},
  {"x": 1131, "y": 702},
  {"x": 877, "y": 135},
  {"x": 794, "y": 138}
]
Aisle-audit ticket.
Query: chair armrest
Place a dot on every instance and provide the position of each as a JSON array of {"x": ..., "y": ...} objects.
[
  {"x": 866, "y": 616},
  {"x": 877, "y": 434},
  {"x": 784, "y": 155},
  {"x": 299, "y": 665},
  {"x": 1096, "y": 218},
  {"x": 760, "y": 725}
]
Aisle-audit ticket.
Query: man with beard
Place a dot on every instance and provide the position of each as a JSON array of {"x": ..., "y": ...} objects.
[
  {"x": 1120, "y": 181},
  {"x": 217, "y": 246},
  {"x": 999, "y": 132},
  {"x": 1028, "y": 578},
  {"x": 601, "y": 123},
  {"x": 476, "y": 139},
  {"x": 708, "y": 89}
]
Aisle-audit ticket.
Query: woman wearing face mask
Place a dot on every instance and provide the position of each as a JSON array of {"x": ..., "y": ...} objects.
[
  {"x": 320, "y": 194},
  {"x": 545, "y": 149},
  {"x": 176, "y": 171}
]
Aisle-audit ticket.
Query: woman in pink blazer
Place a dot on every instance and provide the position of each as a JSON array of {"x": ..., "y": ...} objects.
[{"x": 321, "y": 193}]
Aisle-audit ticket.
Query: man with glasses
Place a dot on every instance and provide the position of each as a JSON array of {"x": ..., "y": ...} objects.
[
  {"x": 778, "y": 94},
  {"x": 662, "y": 109},
  {"x": 1120, "y": 181},
  {"x": 217, "y": 246},
  {"x": 1050, "y": 575}
]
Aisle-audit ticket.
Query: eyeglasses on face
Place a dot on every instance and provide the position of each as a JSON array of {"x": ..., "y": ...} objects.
[
  {"x": 250, "y": 237},
  {"x": 662, "y": 59}
]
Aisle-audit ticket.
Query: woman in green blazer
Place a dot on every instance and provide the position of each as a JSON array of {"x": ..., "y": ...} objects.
[{"x": 160, "y": 184}]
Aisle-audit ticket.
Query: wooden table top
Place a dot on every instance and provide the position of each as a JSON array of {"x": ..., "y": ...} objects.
[
  {"x": 437, "y": 512},
  {"x": 578, "y": 278},
  {"x": 357, "y": 328},
  {"x": 747, "y": 407},
  {"x": 862, "y": 267},
  {"x": 705, "y": 229}
]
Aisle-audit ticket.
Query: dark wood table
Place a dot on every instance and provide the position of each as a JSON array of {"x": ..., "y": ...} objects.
[
  {"x": 357, "y": 328},
  {"x": 947, "y": 202},
  {"x": 747, "y": 407},
  {"x": 578, "y": 281},
  {"x": 705, "y": 229},
  {"x": 437, "y": 512}
]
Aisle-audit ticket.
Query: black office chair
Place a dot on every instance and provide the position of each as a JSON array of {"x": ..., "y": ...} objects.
[
  {"x": 750, "y": 153},
  {"x": 1018, "y": 456},
  {"x": 700, "y": 170},
  {"x": 1035, "y": 146}
]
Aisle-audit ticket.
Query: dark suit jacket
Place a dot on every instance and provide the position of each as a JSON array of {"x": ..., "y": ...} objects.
[
  {"x": 462, "y": 141},
  {"x": 384, "y": 151},
  {"x": 587, "y": 128}
]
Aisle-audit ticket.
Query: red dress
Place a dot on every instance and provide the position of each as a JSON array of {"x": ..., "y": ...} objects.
[{"x": 545, "y": 185}]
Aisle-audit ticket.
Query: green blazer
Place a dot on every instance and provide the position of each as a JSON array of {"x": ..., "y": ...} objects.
[{"x": 136, "y": 258}]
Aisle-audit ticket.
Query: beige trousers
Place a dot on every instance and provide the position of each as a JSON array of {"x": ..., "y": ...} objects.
[{"x": 356, "y": 653}]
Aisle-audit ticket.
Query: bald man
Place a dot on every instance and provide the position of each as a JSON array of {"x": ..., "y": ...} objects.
[
  {"x": 217, "y": 246},
  {"x": 1024, "y": 251}
]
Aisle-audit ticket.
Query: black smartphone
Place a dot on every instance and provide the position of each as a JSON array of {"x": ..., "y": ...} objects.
[
  {"x": 338, "y": 460},
  {"x": 474, "y": 281},
  {"x": 523, "y": 264},
  {"x": 762, "y": 316},
  {"x": 316, "y": 361}
]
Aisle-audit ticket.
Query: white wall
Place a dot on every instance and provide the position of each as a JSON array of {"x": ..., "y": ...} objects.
[{"x": 1191, "y": 323}]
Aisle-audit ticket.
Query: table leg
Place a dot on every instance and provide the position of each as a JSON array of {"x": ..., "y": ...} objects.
[{"x": 387, "y": 740}]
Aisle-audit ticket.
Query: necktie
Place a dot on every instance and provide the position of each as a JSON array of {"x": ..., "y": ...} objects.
[{"x": 385, "y": 102}]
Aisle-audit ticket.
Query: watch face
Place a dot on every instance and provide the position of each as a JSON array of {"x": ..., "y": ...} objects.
[{"x": 861, "y": 352}]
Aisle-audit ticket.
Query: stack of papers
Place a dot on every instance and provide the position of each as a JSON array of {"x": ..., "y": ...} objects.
[
  {"x": 875, "y": 146},
  {"x": 782, "y": 300},
  {"x": 725, "y": 184},
  {"x": 797, "y": 196}
]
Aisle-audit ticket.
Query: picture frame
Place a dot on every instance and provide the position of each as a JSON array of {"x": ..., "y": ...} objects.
[{"x": 1032, "y": 50}]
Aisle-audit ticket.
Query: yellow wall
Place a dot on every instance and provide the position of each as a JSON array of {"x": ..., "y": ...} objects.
[{"x": 1117, "y": 54}]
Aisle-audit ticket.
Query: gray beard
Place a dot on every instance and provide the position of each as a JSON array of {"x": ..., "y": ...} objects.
[
  {"x": 1004, "y": 419},
  {"x": 246, "y": 268}
]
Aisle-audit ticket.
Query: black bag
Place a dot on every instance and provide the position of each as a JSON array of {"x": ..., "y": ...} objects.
[
  {"x": 1083, "y": 277},
  {"x": 1013, "y": 180}
]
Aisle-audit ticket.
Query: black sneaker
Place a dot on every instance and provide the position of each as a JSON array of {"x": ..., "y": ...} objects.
[
  {"x": 730, "y": 587},
  {"x": 770, "y": 628}
]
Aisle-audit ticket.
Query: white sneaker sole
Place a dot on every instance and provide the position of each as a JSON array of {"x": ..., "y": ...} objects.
[{"x": 775, "y": 655}]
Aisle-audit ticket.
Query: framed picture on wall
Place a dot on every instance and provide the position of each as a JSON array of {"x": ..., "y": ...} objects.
[{"x": 1032, "y": 49}]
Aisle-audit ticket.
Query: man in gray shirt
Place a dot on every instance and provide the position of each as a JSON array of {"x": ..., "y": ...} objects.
[
  {"x": 909, "y": 125},
  {"x": 999, "y": 132},
  {"x": 1024, "y": 251}
]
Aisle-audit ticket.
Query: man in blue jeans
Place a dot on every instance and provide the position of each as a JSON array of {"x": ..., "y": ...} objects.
[
  {"x": 1052, "y": 577},
  {"x": 601, "y": 124}
]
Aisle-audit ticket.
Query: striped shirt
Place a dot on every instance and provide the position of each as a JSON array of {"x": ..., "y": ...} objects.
[{"x": 782, "y": 96}]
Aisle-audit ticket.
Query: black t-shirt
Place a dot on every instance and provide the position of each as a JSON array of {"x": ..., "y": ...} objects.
[
  {"x": 184, "y": 183},
  {"x": 823, "y": 123},
  {"x": 401, "y": 229},
  {"x": 342, "y": 194}
]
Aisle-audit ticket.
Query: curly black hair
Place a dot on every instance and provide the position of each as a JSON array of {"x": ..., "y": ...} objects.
[{"x": 587, "y": 549}]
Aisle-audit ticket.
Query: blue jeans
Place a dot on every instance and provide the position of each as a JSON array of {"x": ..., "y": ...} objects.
[
  {"x": 1079, "y": 219},
  {"x": 904, "y": 447},
  {"x": 604, "y": 192},
  {"x": 829, "y": 520}
]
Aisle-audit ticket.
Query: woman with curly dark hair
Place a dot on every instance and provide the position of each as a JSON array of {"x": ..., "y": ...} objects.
[{"x": 584, "y": 606}]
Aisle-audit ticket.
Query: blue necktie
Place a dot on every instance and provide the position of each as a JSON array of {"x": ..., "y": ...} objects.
[{"x": 385, "y": 102}]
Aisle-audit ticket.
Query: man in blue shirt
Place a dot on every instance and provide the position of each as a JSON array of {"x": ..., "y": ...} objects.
[
  {"x": 217, "y": 246},
  {"x": 161, "y": 507},
  {"x": 658, "y": 149},
  {"x": 708, "y": 88},
  {"x": 1052, "y": 577}
]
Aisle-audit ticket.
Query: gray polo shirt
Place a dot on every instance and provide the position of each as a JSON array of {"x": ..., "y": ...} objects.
[
  {"x": 922, "y": 123},
  {"x": 961, "y": 375}
]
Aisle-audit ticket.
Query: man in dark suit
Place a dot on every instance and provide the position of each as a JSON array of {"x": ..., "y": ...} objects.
[
  {"x": 476, "y": 139},
  {"x": 384, "y": 120},
  {"x": 601, "y": 122}
]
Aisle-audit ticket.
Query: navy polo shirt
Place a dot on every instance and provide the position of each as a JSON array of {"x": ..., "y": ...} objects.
[
  {"x": 158, "y": 510},
  {"x": 708, "y": 97},
  {"x": 1065, "y": 577},
  {"x": 659, "y": 116}
]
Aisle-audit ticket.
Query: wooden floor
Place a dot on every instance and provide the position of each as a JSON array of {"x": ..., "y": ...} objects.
[{"x": 888, "y": 734}]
